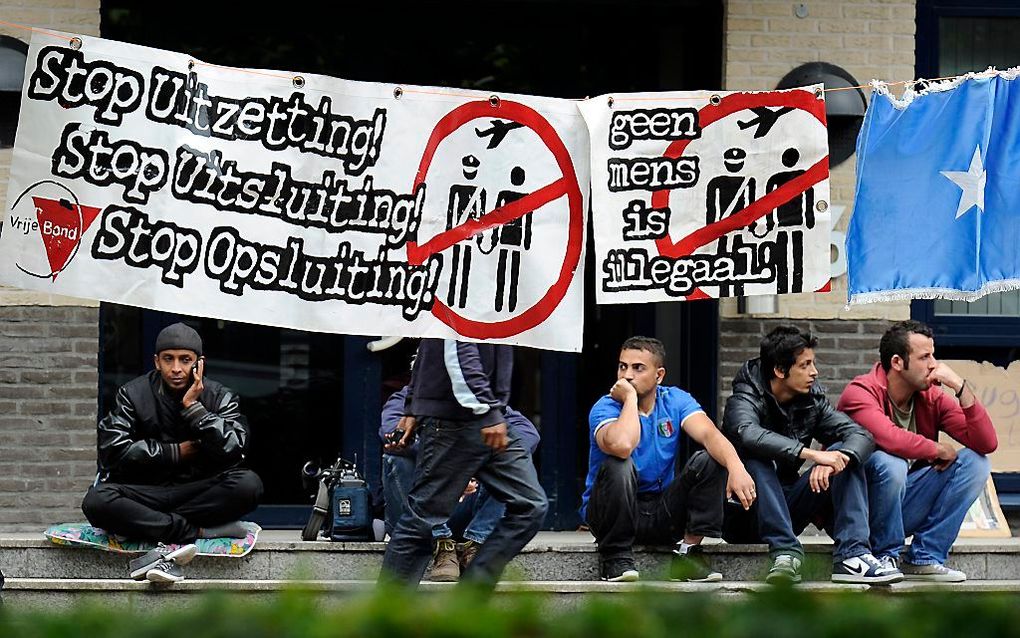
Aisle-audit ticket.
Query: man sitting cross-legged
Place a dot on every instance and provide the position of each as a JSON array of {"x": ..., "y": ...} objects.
[
  {"x": 639, "y": 488},
  {"x": 170, "y": 455}
]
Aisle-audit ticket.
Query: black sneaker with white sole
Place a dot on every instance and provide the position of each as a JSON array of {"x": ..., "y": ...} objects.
[
  {"x": 692, "y": 566},
  {"x": 181, "y": 556},
  {"x": 165, "y": 572},
  {"x": 619, "y": 570},
  {"x": 865, "y": 570}
]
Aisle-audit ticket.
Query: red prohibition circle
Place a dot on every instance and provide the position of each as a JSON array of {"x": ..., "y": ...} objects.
[
  {"x": 566, "y": 185},
  {"x": 709, "y": 114}
]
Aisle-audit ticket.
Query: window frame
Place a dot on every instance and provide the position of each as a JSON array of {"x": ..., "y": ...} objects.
[{"x": 961, "y": 330}]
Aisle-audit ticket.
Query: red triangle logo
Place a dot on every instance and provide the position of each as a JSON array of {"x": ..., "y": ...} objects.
[{"x": 62, "y": 226}]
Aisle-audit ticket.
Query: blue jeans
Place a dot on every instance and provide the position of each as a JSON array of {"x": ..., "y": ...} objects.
[
  {"x": 927, "y": 504},
  {"x": 473, "y": 520},
  {"x": 785, "y": 510},
  {"x": 450, "y": 453}
]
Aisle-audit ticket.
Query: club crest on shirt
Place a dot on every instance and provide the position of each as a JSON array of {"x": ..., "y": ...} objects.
[{"x": 666, "y": 427}]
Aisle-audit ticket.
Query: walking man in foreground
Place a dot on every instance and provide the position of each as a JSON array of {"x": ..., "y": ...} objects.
[{"x": 458, "y": 393}]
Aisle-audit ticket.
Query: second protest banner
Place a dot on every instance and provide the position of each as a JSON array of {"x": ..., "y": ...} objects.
[{"x": 699, "y": 195}]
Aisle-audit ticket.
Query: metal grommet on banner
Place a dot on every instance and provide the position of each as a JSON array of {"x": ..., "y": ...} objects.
[
  {"x": 76, "y": 43},
  {"x": 610, "y": 101},
  {"x": 822, "y": 206},
  {"x": 494, "y": 101},
  {"x": 819, "y": 93},
  {"x": 716, "y": 100},
  {"x": 299, "y": 82},
  {"x": 398, "y": 92}
]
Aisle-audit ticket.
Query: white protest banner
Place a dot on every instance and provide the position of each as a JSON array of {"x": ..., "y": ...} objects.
[
  {"x": 698, "y": 195},
  {"x": 144, "y": 177}
]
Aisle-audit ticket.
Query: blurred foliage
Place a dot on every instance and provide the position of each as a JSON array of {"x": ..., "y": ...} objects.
[{"x": 776, "y": 613}]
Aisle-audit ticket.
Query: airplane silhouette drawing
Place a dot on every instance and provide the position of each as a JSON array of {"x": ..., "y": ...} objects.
[
  {"x": 765, "y": 121},
  {"x": 497, "y": 132}
]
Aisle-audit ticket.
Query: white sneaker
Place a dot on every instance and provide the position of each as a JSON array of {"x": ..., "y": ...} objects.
[
  {"x": 933, "y": 573},
  {"x": 865, "y": 570}
]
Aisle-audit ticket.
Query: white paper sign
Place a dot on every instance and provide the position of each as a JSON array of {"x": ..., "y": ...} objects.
[{"x": 698, "y": 195}]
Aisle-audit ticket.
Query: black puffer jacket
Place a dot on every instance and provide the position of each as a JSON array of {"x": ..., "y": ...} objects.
[
  {"x": 760, "y": 428},
  {"x": 139, "y": 440}
]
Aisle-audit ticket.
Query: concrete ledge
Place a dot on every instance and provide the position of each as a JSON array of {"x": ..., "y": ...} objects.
[
  {"x": 565, "y": 556},
  {"x": 566, "y": 586}
]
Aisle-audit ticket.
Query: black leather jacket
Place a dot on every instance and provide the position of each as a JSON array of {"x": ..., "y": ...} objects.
[
  {"x": 760, "y": 428},
  {"x": 139, "y": 440}
]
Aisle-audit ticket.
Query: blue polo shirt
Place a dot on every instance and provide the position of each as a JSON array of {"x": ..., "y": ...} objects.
[{"x": 655, "y": 454}]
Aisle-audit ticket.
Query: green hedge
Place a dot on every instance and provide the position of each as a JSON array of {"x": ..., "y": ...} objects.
[{"x": 390, "y": 614}]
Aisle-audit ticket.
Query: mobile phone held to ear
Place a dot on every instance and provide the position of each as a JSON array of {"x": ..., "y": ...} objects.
[{"x": 194, "y": 370}]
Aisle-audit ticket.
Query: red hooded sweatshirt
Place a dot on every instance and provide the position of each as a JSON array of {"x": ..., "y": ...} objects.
[{"x": 866, "y": 401}]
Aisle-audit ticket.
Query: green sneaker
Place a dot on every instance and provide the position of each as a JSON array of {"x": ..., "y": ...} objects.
[{"x": 785, "y": 569}]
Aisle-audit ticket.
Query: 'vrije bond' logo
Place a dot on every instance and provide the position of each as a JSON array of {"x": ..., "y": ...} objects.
[{"x": 53, "y": 212}]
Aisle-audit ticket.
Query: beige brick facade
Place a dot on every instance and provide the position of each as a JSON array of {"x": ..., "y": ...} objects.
[
  {"x": 49, "y": 347},
  {"x": 764, "y": 39}
]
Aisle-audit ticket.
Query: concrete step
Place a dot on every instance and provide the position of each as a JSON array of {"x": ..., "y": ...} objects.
[
  {"x": 122, "y": 594},
  {"x": 552, "y": 556}
]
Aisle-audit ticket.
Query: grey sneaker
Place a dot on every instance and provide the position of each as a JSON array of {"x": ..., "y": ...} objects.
[
  {"x": 165, "y": 572},
  {"x": 181, "y": 556},
  {"x": 785, "y": 569},
  {"x": 932, "y": 573}
]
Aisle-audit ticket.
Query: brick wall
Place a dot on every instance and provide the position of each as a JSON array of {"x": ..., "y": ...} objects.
[
  {"x": 48, "y": 356},
  {"x": 871, "y": 39},
  {"x": 764, "y": 40},
  {"x": 48, "y": 395},
  {"x": 846, "y": 348}
]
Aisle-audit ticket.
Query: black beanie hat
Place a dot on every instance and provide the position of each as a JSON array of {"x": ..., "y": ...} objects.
[{"x": 179, "y": 337}]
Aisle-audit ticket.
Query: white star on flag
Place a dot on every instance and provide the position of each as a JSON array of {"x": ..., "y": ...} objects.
[{"x": 972, "y": 183}]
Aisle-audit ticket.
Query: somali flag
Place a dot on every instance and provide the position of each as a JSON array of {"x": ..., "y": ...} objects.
[{"x": 937, "y": 207}]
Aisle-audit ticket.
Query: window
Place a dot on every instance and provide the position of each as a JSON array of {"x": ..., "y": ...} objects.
[{"x": 955, "y": 37}]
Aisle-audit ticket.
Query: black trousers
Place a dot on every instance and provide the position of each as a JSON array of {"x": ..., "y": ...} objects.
[
  {"x": 172, "y": 513},
  {"x": 692, "y": 504}
]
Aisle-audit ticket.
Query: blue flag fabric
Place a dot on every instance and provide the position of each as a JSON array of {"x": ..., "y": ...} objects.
[{"x": 937, "y": 207}]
